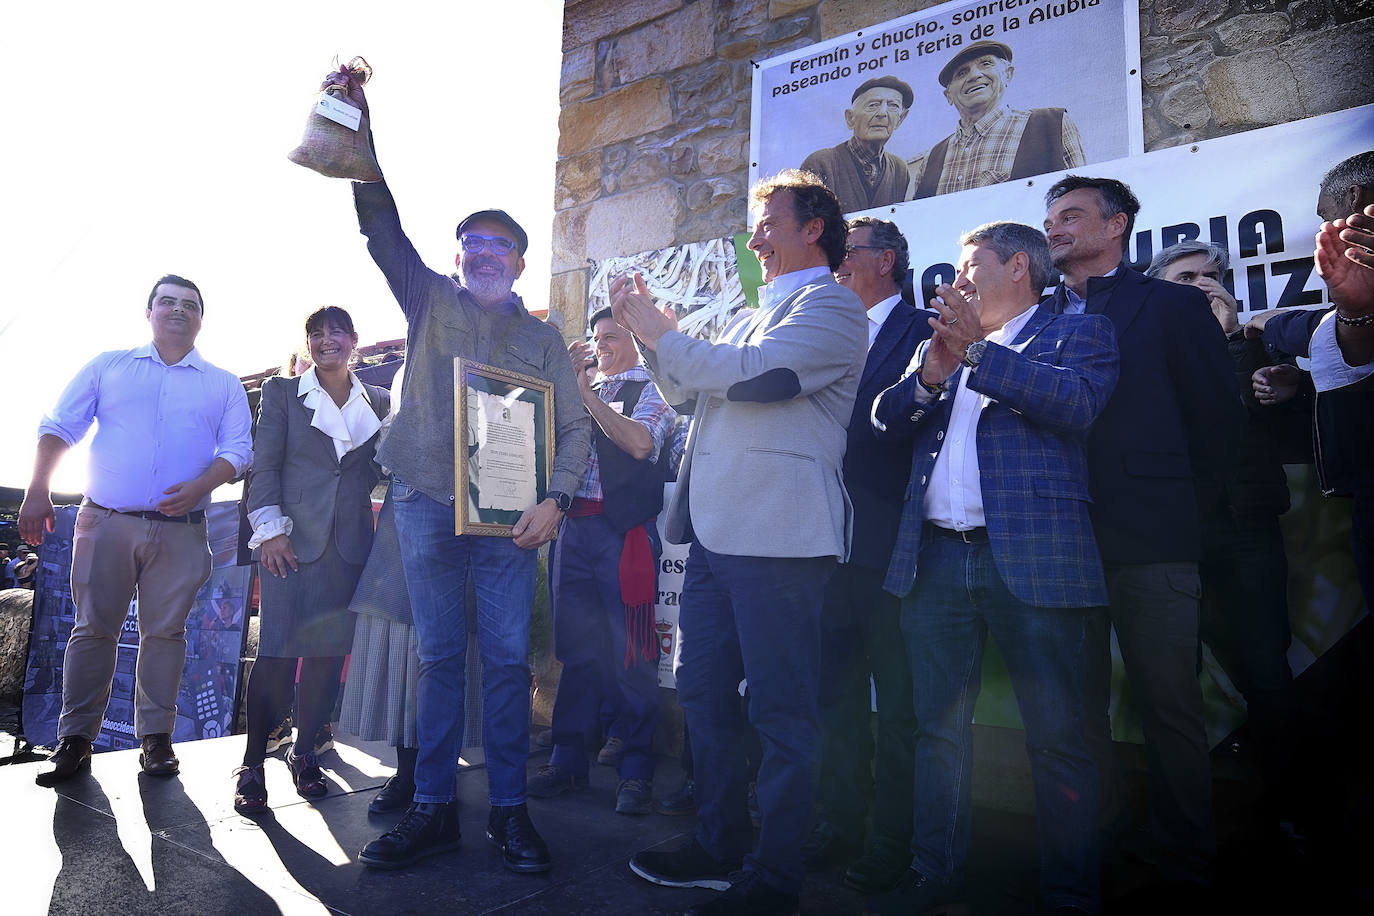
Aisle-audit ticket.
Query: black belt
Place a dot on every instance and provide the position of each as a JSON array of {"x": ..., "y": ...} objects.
[
  {"x": 190, "y": 518},
  {"x": 971, "y": 536}
]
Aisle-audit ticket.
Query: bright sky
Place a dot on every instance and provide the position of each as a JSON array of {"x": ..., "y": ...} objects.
[{"x": 148, "y": 138}]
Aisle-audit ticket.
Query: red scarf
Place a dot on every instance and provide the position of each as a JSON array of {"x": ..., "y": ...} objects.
[
  {"x": 638, "y": 590},
  {"x": 638, "y": 585}
]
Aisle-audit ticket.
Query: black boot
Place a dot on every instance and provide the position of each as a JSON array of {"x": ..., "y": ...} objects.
[
  {"x": 399, "y": 790},
  {"x": 73, "y": 755},
  {"x": 425, "y": 830},
  {"x": 522, "y": 849}
]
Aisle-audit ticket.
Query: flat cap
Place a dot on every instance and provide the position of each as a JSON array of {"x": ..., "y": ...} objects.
[
  {"x": 977, "y": 49},
  {"x": 522, "y": 241},
  {"x": 886, "y": 82}
]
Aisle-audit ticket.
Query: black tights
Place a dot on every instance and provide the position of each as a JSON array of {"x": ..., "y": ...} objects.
[
  {"x": 269, "y": 692},
  {"x": 405, "y": 762}
]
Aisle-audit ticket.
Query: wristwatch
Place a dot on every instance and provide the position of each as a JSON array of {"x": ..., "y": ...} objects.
[
  {"x": 563, "y": 499},
  {"x": 974, "y": 354}
]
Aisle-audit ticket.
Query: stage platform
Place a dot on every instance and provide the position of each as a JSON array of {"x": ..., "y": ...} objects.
[{"x": 117, "y": 842}]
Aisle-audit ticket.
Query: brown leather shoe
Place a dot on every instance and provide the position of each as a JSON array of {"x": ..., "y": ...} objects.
[
  {"x": 250, "y": 794},
  {"x": 73, "y": 755},
  {"x": 305, "y": 770},
  {"x": 158, "y": 758}
]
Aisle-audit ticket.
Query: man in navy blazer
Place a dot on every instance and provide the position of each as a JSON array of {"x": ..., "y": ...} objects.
[
  {"x": 1159, "y": 456},
  {"x": 860, "y": 633},
  {"x": 996, "y": 538}
]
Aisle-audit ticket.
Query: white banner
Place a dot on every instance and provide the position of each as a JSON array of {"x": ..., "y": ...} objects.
[
  {"x": 670, "y": 569},
  {"x": 1254, "y": 193},
  {"x": 1077, "y": 58}
]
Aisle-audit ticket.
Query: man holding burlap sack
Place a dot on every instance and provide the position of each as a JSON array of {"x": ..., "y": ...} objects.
[{"x": 475, "y": 315}]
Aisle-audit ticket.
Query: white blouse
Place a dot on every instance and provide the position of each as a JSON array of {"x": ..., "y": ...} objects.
[{"x": 348, "y": 426}]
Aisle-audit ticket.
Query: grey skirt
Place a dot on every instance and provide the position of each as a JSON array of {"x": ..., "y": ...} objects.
[
  {"x": 306, "y": 614},
  {"x": 383, "y": 675}
]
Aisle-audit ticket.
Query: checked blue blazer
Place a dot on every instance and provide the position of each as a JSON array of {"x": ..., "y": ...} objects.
[{"x": 1032, "y": 455}]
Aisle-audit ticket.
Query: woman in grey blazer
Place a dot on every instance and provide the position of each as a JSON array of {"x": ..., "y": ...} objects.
[{"x": 309, "y": 502}]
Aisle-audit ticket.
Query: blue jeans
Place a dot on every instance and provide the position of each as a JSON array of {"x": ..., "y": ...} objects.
[
  {"x": 755, "y": 618},
  {"x": 589, "y": 638},
  {"x": 436, "y": 567},
  {"x": 959, "y": 598}
]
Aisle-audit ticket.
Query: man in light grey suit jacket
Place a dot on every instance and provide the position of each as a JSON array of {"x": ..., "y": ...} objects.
[{"x": 760, "y": 497}]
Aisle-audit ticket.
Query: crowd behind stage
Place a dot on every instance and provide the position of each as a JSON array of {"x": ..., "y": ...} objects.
[{"x": 885, "y": 484}]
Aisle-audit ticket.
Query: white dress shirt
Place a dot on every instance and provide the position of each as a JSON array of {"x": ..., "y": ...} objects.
[
  {"x": 780, "y": 288},
  {"x": 156, "y": 425},
  {"x": 954, "y": 497},
  {"x": 348, "y": 426},
  {"x": 878, "y": 314}
]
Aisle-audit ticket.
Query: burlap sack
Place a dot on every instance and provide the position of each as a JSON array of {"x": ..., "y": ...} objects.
[{"x": 333, "y": 149}]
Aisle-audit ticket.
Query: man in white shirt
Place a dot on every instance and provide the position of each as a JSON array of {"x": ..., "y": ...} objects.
[
  {"x": 996, "y": 539},
  {"x": 170, "y": 428},
  {"x": 760, "y": 497},
  {"x": 1340, "y": 343}
]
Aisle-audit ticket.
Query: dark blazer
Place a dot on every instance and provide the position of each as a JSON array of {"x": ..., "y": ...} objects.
[
  {"x": 1032, "y": 457},
  {"x": 294, "y": 467},
  {"x": 875, "y": 472},
  {"x": 1160, "y": 453}
]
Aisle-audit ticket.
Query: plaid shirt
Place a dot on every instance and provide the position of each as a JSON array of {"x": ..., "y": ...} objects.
[
  {"x": 982, "y": 153},
  {"x": 651, "y": 410}
]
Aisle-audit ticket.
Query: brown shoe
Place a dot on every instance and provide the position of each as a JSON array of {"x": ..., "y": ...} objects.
[
  {"x": 250, "y": 794},
  {"x": 73, "y": 755},
  {"x": 158, "y": 758},
  {"x": 305, "y": 770}
]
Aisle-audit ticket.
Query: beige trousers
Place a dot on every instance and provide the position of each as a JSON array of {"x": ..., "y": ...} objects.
[{"x": 112, "y": 554}]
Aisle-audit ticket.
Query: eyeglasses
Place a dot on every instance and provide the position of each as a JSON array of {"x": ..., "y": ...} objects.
[
  {"x": 850, "y": 249},
  {"x": 474, "y": 243}
]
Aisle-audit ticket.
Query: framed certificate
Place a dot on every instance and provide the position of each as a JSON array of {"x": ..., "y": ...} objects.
[{"x": 503, "y": 445}]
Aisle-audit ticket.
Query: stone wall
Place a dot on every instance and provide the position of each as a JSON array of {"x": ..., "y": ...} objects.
[{"x": 655, "y": 96}]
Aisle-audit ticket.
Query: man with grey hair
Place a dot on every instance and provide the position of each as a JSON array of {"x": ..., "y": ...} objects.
[
  {"x": 1244, "y": 570},
  {"x": 995, "y": 537},
  {"x": 859, "y": 171},
  {"x": 993, "y": 142},
  {"x": 860, "y": 631}
]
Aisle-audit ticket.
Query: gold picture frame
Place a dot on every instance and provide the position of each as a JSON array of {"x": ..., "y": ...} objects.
[{"x": 503, "y": 444}]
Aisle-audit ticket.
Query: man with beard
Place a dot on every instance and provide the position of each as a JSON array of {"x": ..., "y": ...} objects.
[
  {"x": 860, "y": 173},
  {"x": 1158, "y": 456},
  {"x": 472, "y": 314},
  {"x": 994, "y": 142}
]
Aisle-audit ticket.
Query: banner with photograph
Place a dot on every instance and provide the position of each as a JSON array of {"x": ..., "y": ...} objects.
[
  {"x": 215, "y": 630},
  {"x": 966, "y": 94}
]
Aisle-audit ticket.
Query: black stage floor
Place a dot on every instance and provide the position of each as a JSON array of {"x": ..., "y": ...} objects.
[{"x": 114, "y": 841}]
